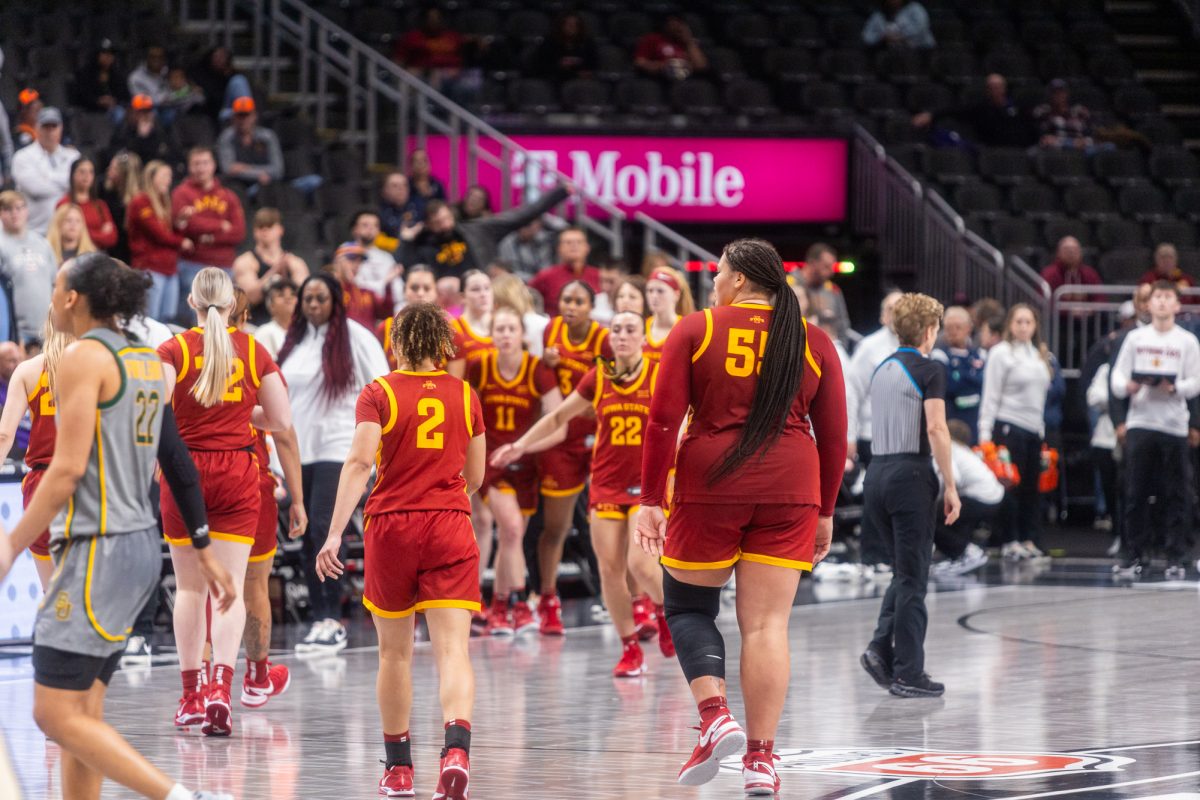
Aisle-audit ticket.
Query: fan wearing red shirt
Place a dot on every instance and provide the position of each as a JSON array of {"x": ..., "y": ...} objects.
[
  {"x": 514, "y": 389},
  {"x": 223, "y": 382},
  {"x": 618, "y": 394},
  {"x": 424, "y": 429},
  {"x": 573, "y": 342},
  {"x": 573, "y": 251},
  {"x": 753, "y": 492}
]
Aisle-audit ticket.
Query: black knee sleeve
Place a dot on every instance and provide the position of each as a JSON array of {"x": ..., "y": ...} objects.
[{"x": 692, "y": 618}]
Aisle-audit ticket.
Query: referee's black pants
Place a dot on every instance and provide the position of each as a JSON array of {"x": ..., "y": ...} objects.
[{"x": 900, "y": 497}]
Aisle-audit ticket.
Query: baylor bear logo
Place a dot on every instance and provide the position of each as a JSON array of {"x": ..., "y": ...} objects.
[{"x": 62, "y": 607}]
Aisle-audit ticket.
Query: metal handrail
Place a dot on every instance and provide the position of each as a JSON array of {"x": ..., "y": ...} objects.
[{"x": 685, "y": 249}]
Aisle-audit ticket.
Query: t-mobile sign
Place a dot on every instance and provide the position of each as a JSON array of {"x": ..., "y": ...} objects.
[{"x": 680, "y": 179}]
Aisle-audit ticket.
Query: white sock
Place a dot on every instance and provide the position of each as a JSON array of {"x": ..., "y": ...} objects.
[{"x": 178, "y": 793}]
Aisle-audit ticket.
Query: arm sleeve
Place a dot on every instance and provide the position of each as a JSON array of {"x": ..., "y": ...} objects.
[
  {"x": 828, "y": 413},
  {"x": 993, "y": 386},
  {"x": 1097, "y": 391},
  {"x": 1118, "y": 408},
  {"x": 225, "y": 151},
  {"x": 672, "y": 394},
  {"x": 500, "y": 225},
  {"x": 151, "y": 227},
  {"x": 181, "y": 476},
  {"x": 237, "y": 222},
  {"x": 935, "y": 383},
  {"x": 274, "y": 166},
  {"x": 106, "y": 240},
  {"x": 544, "y": 379},
  {"x": 31, "y": 179}
]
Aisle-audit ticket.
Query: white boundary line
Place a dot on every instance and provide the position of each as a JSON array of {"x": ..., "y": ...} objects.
[{"x": 1103, "y": 788}]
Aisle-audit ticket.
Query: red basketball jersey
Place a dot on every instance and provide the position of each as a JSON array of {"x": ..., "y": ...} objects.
[
  {"x": 384, "y": 331},
  {"x": 622, "y": 414},
  {"x": 427, "y": 419},
  {"x": 225, "y": 426},
  {"x": 652, "y": 349},
  {"x": 42, "y": 429},
  {"x": 468, "y": 343},
  {"x": 509, "y": 407},
  {"x": 574, "y": 362}
]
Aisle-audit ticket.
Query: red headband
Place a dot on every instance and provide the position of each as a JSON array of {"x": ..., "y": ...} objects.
[{"x": 665, "y": 277}]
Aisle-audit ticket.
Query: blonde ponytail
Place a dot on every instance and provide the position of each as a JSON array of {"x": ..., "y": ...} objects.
[
  {"x": 212, "y": 296},
  {"x": 54, "y": 344}
]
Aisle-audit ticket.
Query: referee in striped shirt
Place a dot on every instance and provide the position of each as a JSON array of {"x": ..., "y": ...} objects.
[{"x": 908, "y": 393}]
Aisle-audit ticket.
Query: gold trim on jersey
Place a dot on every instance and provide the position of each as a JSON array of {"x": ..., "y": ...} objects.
[
  {"x": 633, "y": 387},
  {"x": 708, "y": 333},
  {"x": 465, "y": 329},
  {"x": 650, "y": 334},
  {"x": 87, "y": 597},
  {"x": 393, "y": 409},
  {"x": 493, "y": 358},
  {"x": 467, "y": 408},
  {"x": 808, "y": 356},
  {"x": 253, "y": 356},
  {"x": 187, "y": 357},
  {"x": 756, "y": 306},
  {"x": 695, "y": 565},
  {"x": 421, "y": 374},
  {"x": 100, "y": 470},
  {"x": 775, "y": 561}
]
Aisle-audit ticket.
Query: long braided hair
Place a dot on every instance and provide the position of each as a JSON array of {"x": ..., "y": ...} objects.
[{"x": 783, "y": 359}]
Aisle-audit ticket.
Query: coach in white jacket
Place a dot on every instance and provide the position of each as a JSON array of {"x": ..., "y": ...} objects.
[
  {"x": 42, "y": 170},
  {"x": 1158, "y": 369}
]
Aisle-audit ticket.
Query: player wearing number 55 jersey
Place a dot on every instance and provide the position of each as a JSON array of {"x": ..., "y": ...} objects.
[
  {"x": 752, "y": 489},
  {"x": 424, "y": 431},
  {"x": 223, "y": 383}
]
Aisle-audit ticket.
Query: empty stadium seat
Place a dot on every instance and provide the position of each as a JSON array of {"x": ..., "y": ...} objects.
[
  {"x": 586, "y": 96},
  {"x": 932, "y": 97},
  {"x": 640, "y": 96},
  {"x": 1174, "y": 166},
  {"x": 1089, "y": 201},
  {"x": 1119, "y": 167},
  {"x": 1054, "y": 230},
  {"x": 981, "y": 199},
  {"x": 789, "y": 65},
  {"x": 799, "y": 30},
  {"x": 1134, "y": 100},
  {"x": 877, "y": 99},
  {"x": 1177, "y": 232},
  {"x": 1125, "y": 264},
  {"x": 847, "y": 65},
  {"x": 1062, "y": 167},
  {"x": 695, "y": 96},
  {"x": 1187, "y": 202},
  {"x": 1034, "y": 201},
  {"x": 533, "y": 96},
  {"x": 949, "y": 166},
  {"x": 746, "y": 96},
  {"x": 900, "y": 65},
  {"x": 1144, "y": 202},
  {"x": 1005, "y": 165},
  {"x": 1013, "y": 234},
  {"x": 1121, "y": 233}
]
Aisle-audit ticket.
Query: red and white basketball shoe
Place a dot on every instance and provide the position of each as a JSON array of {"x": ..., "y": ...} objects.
[
  {"x": 455, "y": 780},
  {"x": 632, "y": 663},
  {"x": 720, "y": 738},
  {"x": 643, "y": 617},
  {"x": 397, "y": 781},
  {"x": 218, "y": 716},
  {"x": 758, "y": 772},
  {"x": 276, "y": 681},
  {"x": 191, "y": 710},
  {"x": 550, "y": 614},
  {"x": 499, "y": 621},
  {"x": 523, "y": 620}
]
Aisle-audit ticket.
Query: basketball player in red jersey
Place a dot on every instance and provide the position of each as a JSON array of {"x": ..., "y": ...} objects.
[
  {"x": 425, "y": 430},
  {"x": 224, "y": 382},
  {"x": 753, "y": 492},
  {"x": 264, "y": 680},
  {"x": 473, "y": 330},
  {"x": 620, "y": 396},
  {"x": 31, "y": 389},
  {"x": 420, "y": 286},
  {"x": 573, "y": 342}
]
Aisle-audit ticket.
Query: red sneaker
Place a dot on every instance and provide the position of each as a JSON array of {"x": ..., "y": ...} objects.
[
  {"x": 720, "y": 738},
  {"x": 550, "y": 612},
  {"x": 191, "y": 710},
  {"x": 277, "y": 680},
  {"x": 397, "y": 781},
  {"x": 665, "y": 643},
  {"x": 643, "y": 617},
  {"x": 218, "y": 717},
  {"x": 522, "y": 618},
  {"x": 499, "y": 620},
  {"x": 632, "y": 663},
  {"x": 758, "y": 771},
  {"x": 479, "y": 622},
  {"x": 455, "y": 780}
]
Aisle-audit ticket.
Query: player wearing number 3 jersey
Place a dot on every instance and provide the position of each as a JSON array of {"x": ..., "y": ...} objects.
[
  {"x": 753, "y": 492},
  {"x": 424, "y": 430}
]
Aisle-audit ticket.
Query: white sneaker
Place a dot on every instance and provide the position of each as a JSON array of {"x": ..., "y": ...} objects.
[
  {"x": 1013, "y": 551},
  {"x": 972, "y": 558},
  {"x": 137, "y": 652},
  {"x": 325, "y": 636},
  {"x": 1031, "y": 550}
]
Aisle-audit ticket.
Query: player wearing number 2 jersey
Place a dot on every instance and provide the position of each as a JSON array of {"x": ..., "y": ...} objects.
[
  {"x": 424, "y": 430},
  {"x": 224, "y": 382},
  {"x": 752, "y": 489}
]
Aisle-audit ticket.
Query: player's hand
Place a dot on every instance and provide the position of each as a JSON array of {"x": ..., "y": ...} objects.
[
  {"x": 506, "y": 454},
  {"x": 297, "y": 520},
  {"x": 951, "y": 505},
  {"x": 328, "y": 565},
  {"x": 651, "y": 530},
  {"x": 1120, "y": 431},
  {"x": 550, "y": 357},
  {"x": 220, "y": 585},
  {"x": 824, "y": 539}
]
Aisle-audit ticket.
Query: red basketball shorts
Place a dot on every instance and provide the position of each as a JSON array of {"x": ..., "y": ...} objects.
[
  {"x": 519, "y": 479},
  {"x": 417, "y": 560},
  {"x": 41, "y": 546},
  {"x": 717, "y": 535},
  {"x": 565, "y": 469},
  {"x": 618, "y": 511},
  {"x": 265, "y": 536},
  {"x": 229, "y": 481}
]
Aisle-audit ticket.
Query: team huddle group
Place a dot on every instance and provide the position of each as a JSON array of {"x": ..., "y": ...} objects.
[{"x": 680, "y": 426}]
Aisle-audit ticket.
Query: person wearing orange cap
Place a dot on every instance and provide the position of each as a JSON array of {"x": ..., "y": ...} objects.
[
  {"x": 143, "y": 134},
  {"x": 29, "y": 104},
  {"x": 247, "y": 153}
]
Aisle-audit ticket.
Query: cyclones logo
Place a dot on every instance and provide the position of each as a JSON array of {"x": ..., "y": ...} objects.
[{"x": 940, "y": 765}]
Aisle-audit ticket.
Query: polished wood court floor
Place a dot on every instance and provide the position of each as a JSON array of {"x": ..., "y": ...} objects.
[{"x": 1061, "y": 682}]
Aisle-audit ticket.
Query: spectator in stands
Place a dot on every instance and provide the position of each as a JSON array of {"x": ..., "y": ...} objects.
[
  {"x": 182, "y": 95},
  {"x": 150, "y": 77},
  {"x": 142, "y": 133},
  {"x": 266, "y": 263},
  {"x": 68, "y": 234},
  {"x": 981, "y": 494},
  {"x": 527, "y": 249},
  {"x": 995, "y": 120},
  {"x": 248, "y": 153},
  {"x": 29, "y": 105},
  {"x": 154, "y": 244},
  {"x": 42, "y": 170},
  {"x": 99, "y": 85},
  {"x": 1068, "y": 269},
  {"x": 1158, "y": 369},
  {"x": 220, "y": 83},
  {"x": 671, "y": 52},
  {"x": 899, "y": 24},
  {"x": 11, "y": 355},
  {"x": 122, "y": 182},
  {"x": 437, "y": 53},
  {"x": 28, "y": 263},
  {"x": 424, "y": 186},
  {"x": 612, "y": 275},
  {"x": 397, "y": 210},
  {"x": 379, "y": 272},
  {"x": 631, "y": 296},
  {"x": 1012, "y": 413},
  {"x": 964, "y": 364},
  {"x": 281, "y": 305},
  {"x": 991, "y": 331},
  {"x": 208, "y": 214},
  {"x": 1062, "y": 124},
  {"x": 362, "y": 305},
  {"x": 452, "y": 248},
  {"x": 573, "y": 251},
  {"x": 82, "y": 192},
  {"x": 1166, "y": 268},
  {"x": 653, "y": 260},
  {"x": 825, "y": 295},
  {"x": 476, "y": 204},
  {"x": 568, "y": 52}
]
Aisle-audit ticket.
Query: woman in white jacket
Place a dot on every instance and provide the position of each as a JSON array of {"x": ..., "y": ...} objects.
[
  {"x": 1015, "y": 382},
  {"x": 325, "y": 359}
]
